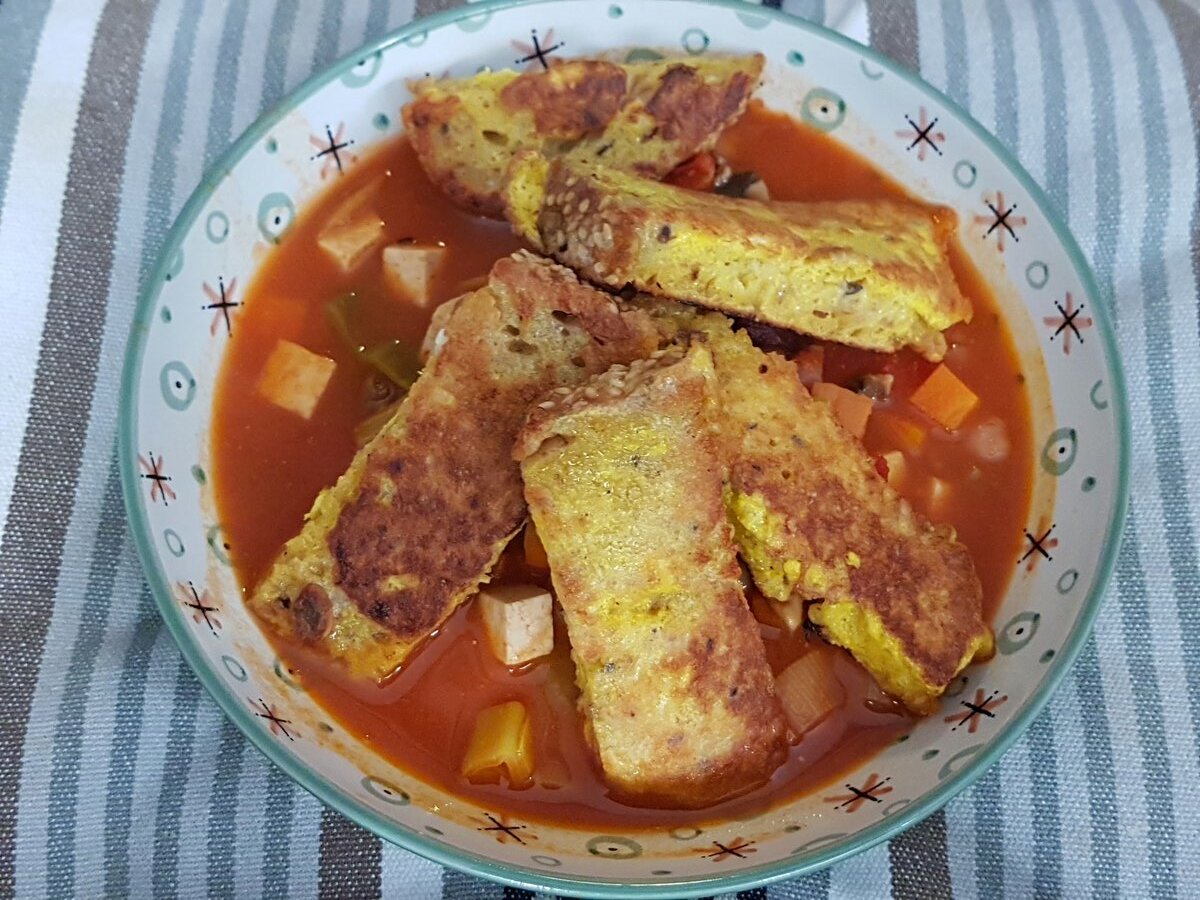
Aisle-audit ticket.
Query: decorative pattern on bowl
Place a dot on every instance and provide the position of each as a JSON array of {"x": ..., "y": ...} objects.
[{"x": 192, "y": 302}]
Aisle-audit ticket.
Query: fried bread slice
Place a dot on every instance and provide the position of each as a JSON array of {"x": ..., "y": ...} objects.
[
  {"x": 421, "y": 515},
  {"x": 869, "y": 274},
  {"x": 643, "y": 117},
  {"x": 624, "y": 477},
  {"x": 814, "y": 520}
]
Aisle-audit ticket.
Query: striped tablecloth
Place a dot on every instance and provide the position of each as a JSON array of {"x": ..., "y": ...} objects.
[{"x": 119, "y": 776}]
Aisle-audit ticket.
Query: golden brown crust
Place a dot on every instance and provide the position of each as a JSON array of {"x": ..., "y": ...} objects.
[
  {"x": 805, "y": 492},
  {"x": 417, "y": 521},
  {"x": 645, "y": 117},
  {"x": 870, "y": 274},
  {"x": 624, "y": 480},
  {"x": 570, "y": 100}
]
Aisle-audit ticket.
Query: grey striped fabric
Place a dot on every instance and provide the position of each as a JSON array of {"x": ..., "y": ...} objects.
[{"x": 119, "y": 777}]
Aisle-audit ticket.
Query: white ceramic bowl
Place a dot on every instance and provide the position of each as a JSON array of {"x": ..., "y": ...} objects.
[{"x": 1035, "y": 269}]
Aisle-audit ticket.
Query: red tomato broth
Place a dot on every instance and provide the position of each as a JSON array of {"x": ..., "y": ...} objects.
[{"x": 270, "y": 464}]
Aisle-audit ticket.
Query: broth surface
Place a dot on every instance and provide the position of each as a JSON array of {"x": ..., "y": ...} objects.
[{"x": 269, "y": 465}]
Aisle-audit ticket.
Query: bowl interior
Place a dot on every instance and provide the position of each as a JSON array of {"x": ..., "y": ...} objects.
[{"x": 249, "y": 200}]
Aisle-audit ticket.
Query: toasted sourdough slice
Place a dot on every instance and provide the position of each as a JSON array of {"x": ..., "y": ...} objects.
[
  {"x": 814, "y": 520},
  {"x": 870, "y": 274},
  {"x": 415, "y": 524},
  {"x": 643, "y": 117},
  {"x": 624, "y": 481}
]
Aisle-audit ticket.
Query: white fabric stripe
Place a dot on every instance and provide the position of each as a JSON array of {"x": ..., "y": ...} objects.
[
  {"x": 33, "y": 810},
  {"x": 1017, "y": 819},
  {"x": 1032, "y": 106},
  {"x": 1072, "y": 790},
  {"x": 1114, "y": 666},
  {"x": 961, "y": 846},
  {"x": 305, "y": 852},
  {"x": 41, "y": 154},
  {"x": 192, "y": 872},
  {"x": 303, "y": 43},
  {"x": 862, "y": 877},
  {"x": 251, "y": 65},
  {"x": 250, "y": 818},
  {"x": 198, "y": 100},
  {"x": 407, "y": 875},
  {"x": 354, "y": 26},
  {"x": 981, "y": 69},
  {"x": 100, "y": 716},
  {"x": 932, "y": 49},
  {"x": 152, "y": 752},
  {"x": 1171, "y": 657},
  {"x": 401, "y": 13},
  {"x": 1167, "y": 647},
  {"x": 850, "y": 18}
]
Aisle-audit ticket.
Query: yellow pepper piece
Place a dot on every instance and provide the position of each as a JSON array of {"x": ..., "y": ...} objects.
[{"x": 502, "y": 743}]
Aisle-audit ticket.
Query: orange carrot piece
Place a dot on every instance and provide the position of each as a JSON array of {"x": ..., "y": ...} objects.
[
  {"x": 900, "y": 431},
  {"x": 945, "y": 399},
  {"x": 810, "y": 363},
  {"x": 809, "y": 689},
  {"x": 535, "y": 553},
  {"x": 850, "y": 409}
]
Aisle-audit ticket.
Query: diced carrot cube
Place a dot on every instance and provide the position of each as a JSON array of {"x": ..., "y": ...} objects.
[
  {"x": 945, "y": 399},
  {"x": 535, "y": 553},
  {"x": 850, "y": 409},
  {"x": 901, "y": 431}
]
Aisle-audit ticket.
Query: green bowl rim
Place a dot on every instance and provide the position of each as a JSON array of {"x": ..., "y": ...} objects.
[{"x": 531, "y": 879}]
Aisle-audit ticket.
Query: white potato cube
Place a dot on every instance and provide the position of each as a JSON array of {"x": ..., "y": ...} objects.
[
  {"x": 354, "y": 230},
  {"x": 295, "y": 378},
  {"x": 939, "y": 493},
  {"x": 897, "y": 467},
  {"x": 519, "y": 622},
  {"x": 409, "y": 269}
]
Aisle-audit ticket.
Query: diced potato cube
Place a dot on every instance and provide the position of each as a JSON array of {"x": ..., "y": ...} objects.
[
  {"x": 501, "y": 744},
  {"x": 809, "y": 689},
  {"x": 354, "y": 229},
  {"x": 295, "y": 378},
  {"x": 519, "y": 622},
  {"x": 409, "y": 269},
  {"x": 790, "y": 613},
  {"x": 850, "y": 409}
]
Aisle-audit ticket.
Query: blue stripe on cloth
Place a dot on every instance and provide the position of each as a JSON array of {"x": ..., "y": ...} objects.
[
  {"x": 21, "y": 24},
  {"x": 326, "y": 50},
  {"x": 1102, "y": 799},
  {"x": 228, "y": 55},
  {"x": 168, "y": 831},
  {"x": 1054, "y": 86},
  {"x": 222, "y": 810},
  {"x": 1046, "y": 824},
  {"x": 1156, "y": 296},
  {"x": 377, "y": 20},
  {"x": 988, "y": 808},
  {"x": 127, "y": 733},
  {"x": 1005, "y": 77},
  {"x": 954, "y": 38},
  {"x": 275, "y": 72},
  {"x": 277, "y": 842},
  {"x": 1131, "y": 591},
  {"x": 67, "y": 750}
]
